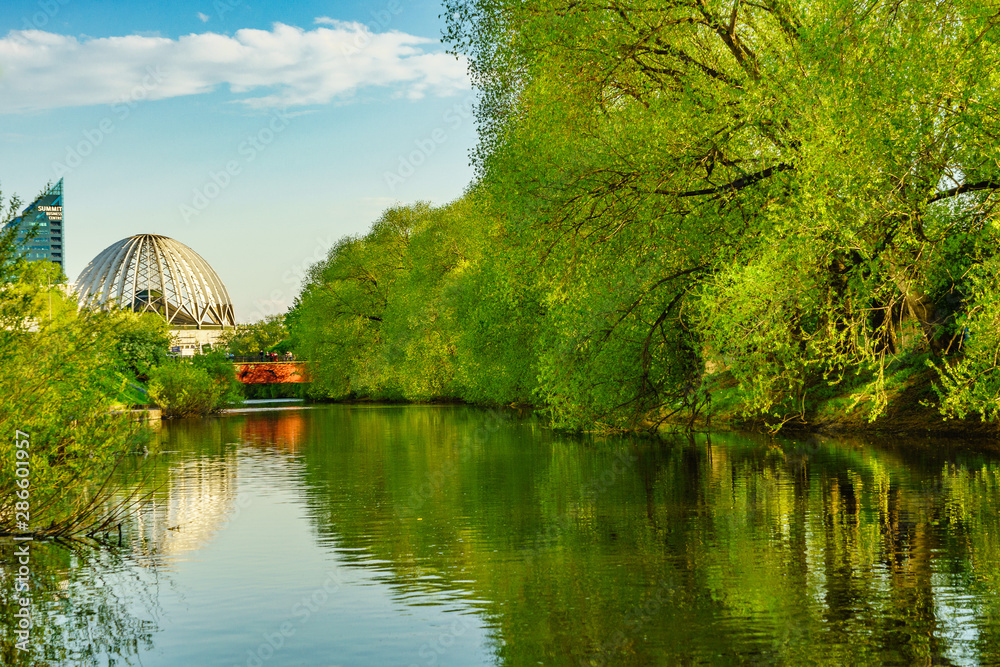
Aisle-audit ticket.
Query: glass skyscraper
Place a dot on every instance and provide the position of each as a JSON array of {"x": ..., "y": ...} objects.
[{"x": 45, "y": 216}]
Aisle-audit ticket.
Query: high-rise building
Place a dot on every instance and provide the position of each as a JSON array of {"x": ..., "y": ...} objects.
[{"x": 45, "y": 217}]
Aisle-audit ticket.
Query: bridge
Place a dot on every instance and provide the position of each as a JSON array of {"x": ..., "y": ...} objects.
[{"x": 268, "y": 372}]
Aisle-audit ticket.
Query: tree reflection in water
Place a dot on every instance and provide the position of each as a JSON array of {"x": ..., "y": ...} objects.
[
  {"x": 566, "y": 550},
  {"x": 90, "y": 606}
]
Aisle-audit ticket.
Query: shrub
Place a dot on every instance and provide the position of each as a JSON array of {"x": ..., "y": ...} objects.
[
  {"x": 189, "y": 389},
  {"x": 223, "y": 374}
]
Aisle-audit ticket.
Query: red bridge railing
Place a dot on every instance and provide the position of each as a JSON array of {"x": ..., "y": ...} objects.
[{"x": 268, "y": 372}]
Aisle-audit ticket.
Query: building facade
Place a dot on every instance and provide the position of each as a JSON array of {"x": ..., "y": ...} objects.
[{"x": 40, "y": 228}]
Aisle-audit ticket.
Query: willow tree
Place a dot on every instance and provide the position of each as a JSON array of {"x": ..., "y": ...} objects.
[{"x": 799, "y": 191}]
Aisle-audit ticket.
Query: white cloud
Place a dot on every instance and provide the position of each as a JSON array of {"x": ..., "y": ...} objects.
[
  {"x": 282, "y": 67},
  {"x": 204, "y": 17}
]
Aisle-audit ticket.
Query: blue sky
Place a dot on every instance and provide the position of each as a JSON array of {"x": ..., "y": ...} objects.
[{"x": 256, "y": 133}]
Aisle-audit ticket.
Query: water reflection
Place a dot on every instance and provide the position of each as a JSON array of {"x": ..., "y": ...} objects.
[
  {"x": 715, "y": 549},
  {"x": 88, "y": 607},
  {"x": 497, "y": 541}
]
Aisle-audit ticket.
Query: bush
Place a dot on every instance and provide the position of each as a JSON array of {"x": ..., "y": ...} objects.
[
  {"x": 190, "y": 389},
  {"x": 222, "y": 372}
]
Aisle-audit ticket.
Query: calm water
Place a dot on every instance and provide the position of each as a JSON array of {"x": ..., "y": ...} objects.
[{"x": 355, "y": 535}]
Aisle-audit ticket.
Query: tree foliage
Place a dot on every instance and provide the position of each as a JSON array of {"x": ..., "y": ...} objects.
[
  {"x": 795, "y": 194},
  {"x": 247, "y": 339},
  {"x": 141, "y": 341},
  {"x": 59, "y": 387},
  {"x": 416, "y": 309},
  {"x": 193, "y": 388},
  {"x": 794, "y": 187}
]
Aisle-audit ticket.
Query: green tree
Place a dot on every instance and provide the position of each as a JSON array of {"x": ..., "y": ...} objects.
[
  {"x": 497, "y": 307},
  {"x": 794, "y": 190},
  {"x": 337, "y": 320},
  {"x": 58, "y": 388},
  {"x": 141, "y": 341},
  {"x": 420, "y": 329},
  {"x": 420, "y": 309},
  {"x": 266, "y": 335}
]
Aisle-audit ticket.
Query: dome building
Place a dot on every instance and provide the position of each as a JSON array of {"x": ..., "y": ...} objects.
[{"x": 156, "y": 274}]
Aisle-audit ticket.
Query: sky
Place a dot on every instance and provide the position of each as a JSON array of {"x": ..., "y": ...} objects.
[{"x": 256, "y": 133}]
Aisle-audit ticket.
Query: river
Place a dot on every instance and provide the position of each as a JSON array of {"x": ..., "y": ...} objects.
[{"x": 350, "y": 535}]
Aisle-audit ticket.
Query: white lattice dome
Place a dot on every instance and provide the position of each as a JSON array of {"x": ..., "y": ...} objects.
[{"x": 152, "y": 273}]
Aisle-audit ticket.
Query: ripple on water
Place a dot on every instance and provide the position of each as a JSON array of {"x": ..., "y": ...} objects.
[{"x": 387, "y": 525}]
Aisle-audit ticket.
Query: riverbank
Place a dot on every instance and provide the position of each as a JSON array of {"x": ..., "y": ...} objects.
[
  {"x": 910, "y": 408},
  {"x": 905, "y": 403}
]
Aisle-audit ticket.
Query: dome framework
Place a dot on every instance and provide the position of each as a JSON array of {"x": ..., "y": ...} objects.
[{"x": 153, "y": 273}]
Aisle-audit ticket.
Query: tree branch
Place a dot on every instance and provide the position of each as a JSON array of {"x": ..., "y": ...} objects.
[
  {"x": 738, "y": 184},
  {"x": 965, "y": 187},
  {"x": 662, "y": 49}
]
